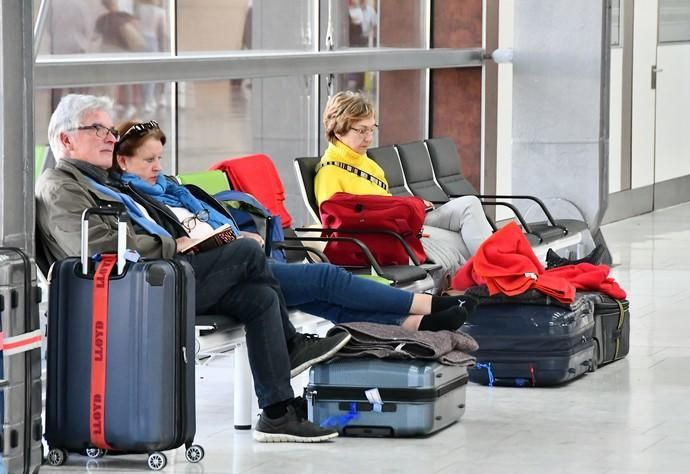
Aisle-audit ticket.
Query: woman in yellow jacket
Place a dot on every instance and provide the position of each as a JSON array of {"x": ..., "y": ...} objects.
[{"x": 456, "y": 229}]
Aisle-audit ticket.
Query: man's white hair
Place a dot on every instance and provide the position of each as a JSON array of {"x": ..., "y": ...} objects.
[{"x": 68, "y": 115}]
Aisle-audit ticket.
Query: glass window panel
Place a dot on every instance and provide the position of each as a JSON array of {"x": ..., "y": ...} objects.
[
  {"x": 374, "y": 23},
  {"x": 615, "y": 22},
  {"x": 674, "y": 21},
  {"x": 399, "y": 98},
  {"x": 233, "y": 25},
  {"x": 46, "y": 100},
  {"x": 225, "y": 119},
  {"x": 105, "y": 27}
]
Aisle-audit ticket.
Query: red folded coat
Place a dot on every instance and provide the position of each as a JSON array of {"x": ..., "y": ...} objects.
[
  {"x": 588, "y": 277},
  {"x": 506, "y": 263}
]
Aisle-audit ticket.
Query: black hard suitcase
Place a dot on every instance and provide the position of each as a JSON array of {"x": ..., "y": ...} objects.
[
  {"x": 127, "y": 384},
  {"x": 532, "y": 344},
  {"x": 377, "y": 398},
  {"x": 20, "y": 365},
  {"x": 611, "y": 328}
]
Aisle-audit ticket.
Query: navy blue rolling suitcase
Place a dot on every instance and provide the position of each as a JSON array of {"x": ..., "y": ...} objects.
[
  {"x": 20, "y": 365},
  {"x": 523, "y": 344},
  {"x": 120, "y": 356}
]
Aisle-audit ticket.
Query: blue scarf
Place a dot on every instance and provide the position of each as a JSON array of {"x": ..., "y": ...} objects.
[
  {"x": 175, "y": 195},
  {"x": 135, "y": 213}
]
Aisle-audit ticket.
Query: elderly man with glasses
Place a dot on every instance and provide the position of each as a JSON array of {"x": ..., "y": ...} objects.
[{"x": 233, "y": 279}]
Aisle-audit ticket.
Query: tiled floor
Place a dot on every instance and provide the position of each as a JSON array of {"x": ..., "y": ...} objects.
[{"x": 629, "y": 417}]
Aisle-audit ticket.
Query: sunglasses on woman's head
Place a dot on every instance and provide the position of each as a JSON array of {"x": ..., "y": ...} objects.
[{"x": 140, "y": 129}]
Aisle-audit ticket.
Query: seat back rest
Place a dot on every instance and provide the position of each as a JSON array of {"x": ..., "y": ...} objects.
[
  {"x": 212, "y": 182},
  {"x": 305, "y": 169},
  {"x": 447, "y": 167},
  {"x": 387, "y": 158},
  {"x": 49, "y": 161},
  {"x": 419, "y": 175}
]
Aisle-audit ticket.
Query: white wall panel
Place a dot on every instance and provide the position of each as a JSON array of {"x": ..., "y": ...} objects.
[
  {"x": 643, "y": 108},
  {"x": 615, "y": 112},
  {"x": 672, "y": 112}
]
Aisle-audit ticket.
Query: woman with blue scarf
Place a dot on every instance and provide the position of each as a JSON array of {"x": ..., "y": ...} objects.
[{"x": 161, "y": 206}]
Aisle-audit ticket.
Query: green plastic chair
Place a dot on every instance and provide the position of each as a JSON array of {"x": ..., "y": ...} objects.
[
  {"x": 212, "y": 182},
  {"x": 39, "y": 156}
]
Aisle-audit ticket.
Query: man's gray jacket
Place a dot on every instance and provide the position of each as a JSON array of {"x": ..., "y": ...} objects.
[{"x": 62, "y": 194}]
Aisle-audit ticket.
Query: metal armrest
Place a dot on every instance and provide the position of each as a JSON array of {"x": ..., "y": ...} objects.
[
  {"x": 517, "y": 213},
  {"x": 306, "y": 250},
  {"x": 539, "y": 202},
  {"x": 367, "y": 253},
  {"x": 389, "y": 233}
]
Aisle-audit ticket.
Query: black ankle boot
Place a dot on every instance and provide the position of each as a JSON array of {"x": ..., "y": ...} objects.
[{"x": 553, "y": 260}]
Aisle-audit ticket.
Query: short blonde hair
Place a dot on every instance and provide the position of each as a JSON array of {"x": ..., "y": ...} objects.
[{"x": 343, "y": 110}]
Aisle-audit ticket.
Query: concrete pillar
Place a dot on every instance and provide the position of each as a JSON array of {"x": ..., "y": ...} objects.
[
  {"x": 16, "y": 125},
  {"x": 560, "y": 104}
]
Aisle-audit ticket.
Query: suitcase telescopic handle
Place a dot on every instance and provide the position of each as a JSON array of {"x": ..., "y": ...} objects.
[{"x": 122, "y": 219}]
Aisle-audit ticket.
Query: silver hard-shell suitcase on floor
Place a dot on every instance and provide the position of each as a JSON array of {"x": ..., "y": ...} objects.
[
  {"x": 377, "y": 398},
  {"x": 146, "y": 402},
  {"x": 20, "y": 364}
]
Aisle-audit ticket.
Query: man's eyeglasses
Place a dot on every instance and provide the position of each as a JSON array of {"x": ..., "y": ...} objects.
[
  {"x": 189, "y": 223},
  {"x": 363, "y": 131},
  {"x": 141, "y": 128},
  {"x": 101, "y": 131}
]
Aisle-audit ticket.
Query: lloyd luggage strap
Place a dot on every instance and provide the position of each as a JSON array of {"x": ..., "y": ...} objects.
[
  {"x": 21, "y": 343},
  {"x": 99, "y": 350}
]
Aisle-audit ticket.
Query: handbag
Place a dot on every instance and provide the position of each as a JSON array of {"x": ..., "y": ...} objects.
[{"x": 400, "y": 214}]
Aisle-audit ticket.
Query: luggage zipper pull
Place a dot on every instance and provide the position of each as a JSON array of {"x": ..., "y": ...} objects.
[
  {"x": 532, "y": 375},
  {"x": 340, "y": 421},
  {"x": 490, "y": 372}
]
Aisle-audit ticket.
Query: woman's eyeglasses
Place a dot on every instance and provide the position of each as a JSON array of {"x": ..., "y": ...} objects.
[
  {"x": 101, "y": 131},
  {"x": 141, "y": 128},
  {"x": 189, "y": 223},
  {"x": 364, "y": 131}
]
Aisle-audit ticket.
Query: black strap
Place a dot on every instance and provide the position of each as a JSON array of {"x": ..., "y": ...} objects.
[{"x": 354, "y": 170}]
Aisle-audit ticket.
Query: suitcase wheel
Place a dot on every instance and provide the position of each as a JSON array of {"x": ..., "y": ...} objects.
[
  {"x": 95, "y": 453},
  {"x": 157, "y": 461},
  {"x": 194, "y": 453},
  {"x": 57, "y": 457}
]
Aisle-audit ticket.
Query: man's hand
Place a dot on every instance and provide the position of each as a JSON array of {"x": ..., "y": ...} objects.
[
  {"x": 428, "y": 205},
  {"x": 253, "y": 236},
  {"x": 184, "y": 242}
]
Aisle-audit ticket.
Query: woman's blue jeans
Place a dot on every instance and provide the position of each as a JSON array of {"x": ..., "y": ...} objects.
[{"x": 337, "y": 295}]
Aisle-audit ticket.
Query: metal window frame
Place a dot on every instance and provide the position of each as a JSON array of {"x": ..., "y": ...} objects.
[{"x": 91, "y": 70}]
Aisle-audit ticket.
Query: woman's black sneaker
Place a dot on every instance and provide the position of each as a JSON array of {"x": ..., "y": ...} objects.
[{"x": 293, "y": 427}]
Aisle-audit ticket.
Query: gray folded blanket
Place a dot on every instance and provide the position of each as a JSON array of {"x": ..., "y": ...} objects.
[{"x": 394, "y": 342}]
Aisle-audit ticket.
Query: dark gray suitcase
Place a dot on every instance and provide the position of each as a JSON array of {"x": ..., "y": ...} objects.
[
  {"x": 532, "y": 344},
  {"x": 20, "y": 364},
  {"x": 376, "y": 398},
  {"x": 611, "y": 328},
  {"x": 147, "y": 404}
]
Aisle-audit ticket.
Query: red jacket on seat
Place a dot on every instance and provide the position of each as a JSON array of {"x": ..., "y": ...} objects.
[{"x": 257, "y": 175}]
